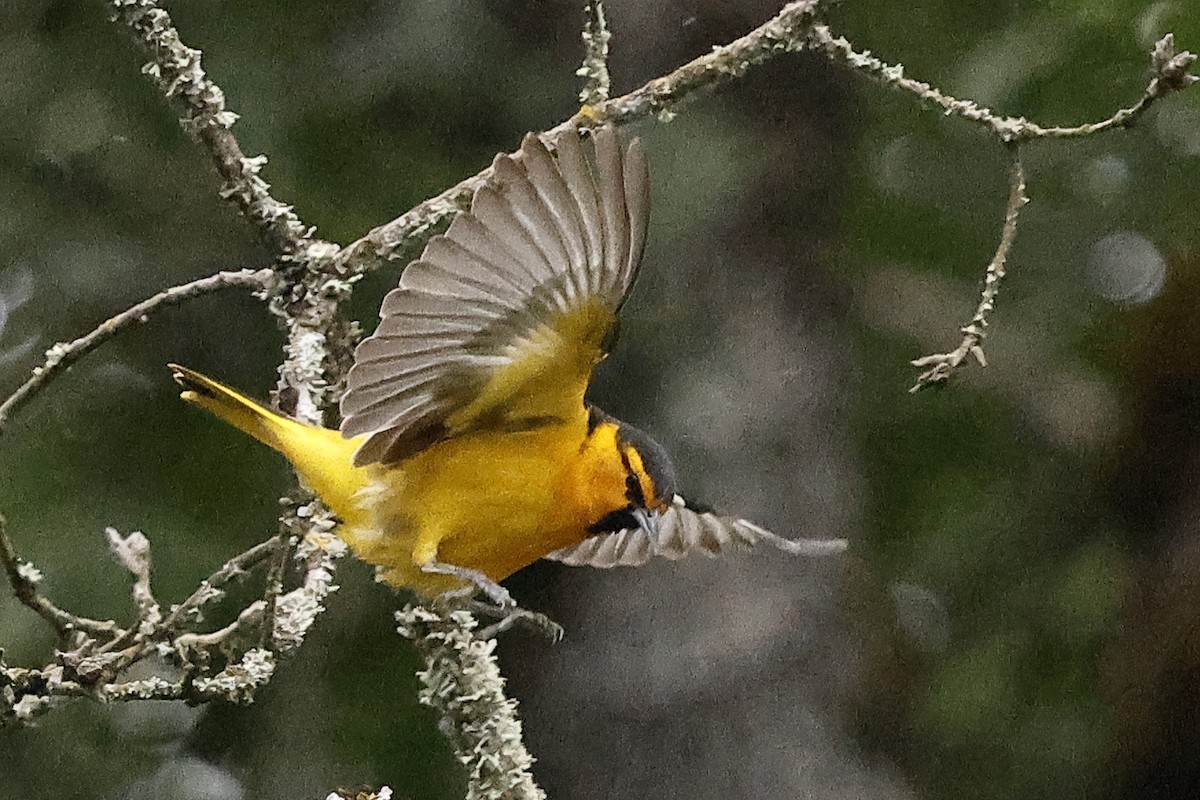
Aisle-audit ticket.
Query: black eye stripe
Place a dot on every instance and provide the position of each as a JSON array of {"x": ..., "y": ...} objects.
[
  {"x": 633, "y": 490},
  {"x": 633, "y": 487},
  {"x": 661, "y": 480}
]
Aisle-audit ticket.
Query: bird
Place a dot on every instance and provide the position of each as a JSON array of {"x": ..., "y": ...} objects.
[{"x": 467, "y": 448}]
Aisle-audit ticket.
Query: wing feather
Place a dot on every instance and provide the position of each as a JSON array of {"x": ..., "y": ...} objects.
[
  {"x": 610, "y": 195},
  {"x": 682, "y": 532},
  {"x": 637, "y": 200},
  {"x": 578, "y": 177},
  {"x": 398, "y": 348},
  {"x": 496, "y": 214},
  {"x": 548, "y": 182},
  {"x": 449, "y": 256},
  {"x": 533, "y": 214},
  {"x": 485, "y": 246},
  {"x": 503, "y": 316},
  {"x": 435, "y": 281}
]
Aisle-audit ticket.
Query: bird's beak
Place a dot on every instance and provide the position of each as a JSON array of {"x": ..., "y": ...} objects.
[{"x": 647, "y": 521}]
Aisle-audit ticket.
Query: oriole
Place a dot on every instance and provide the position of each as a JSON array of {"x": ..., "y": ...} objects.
[{"x": 467, "y": 450}]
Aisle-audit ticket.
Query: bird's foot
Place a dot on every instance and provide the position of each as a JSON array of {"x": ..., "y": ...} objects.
[
  {"x": 503, "y": 608},
  {"x": 506, "y": 616},
  {"x": 509, "y": 616},
  {"x": 495, "y": 592}
]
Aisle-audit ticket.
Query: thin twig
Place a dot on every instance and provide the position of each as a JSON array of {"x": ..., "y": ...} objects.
[
  {"x": 942, "y": 365},
  {"x": 1170, "y": 75},
  {"x": 594, "y": 69},
  {"x": 274, "y": 587},
  {"x": 210, "y": 589},
  {"x": 178, "y": 72},
  {"x": 250, "y": 617},
  {"x": 24, "y": 579},
  {"x": 61, "y": 356},
  {"x": 133, "y": 551},
  {"x": 786, "y": 32}
]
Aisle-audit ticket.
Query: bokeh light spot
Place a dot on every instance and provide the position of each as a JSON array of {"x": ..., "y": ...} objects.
[{"x": 1126, "y": 268}]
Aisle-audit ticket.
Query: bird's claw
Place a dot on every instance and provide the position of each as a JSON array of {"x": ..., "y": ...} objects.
[
  {"x": 503, "y": 608},
  {"x": 515, "y": 615},
  {"x": 508, "y": 615}
]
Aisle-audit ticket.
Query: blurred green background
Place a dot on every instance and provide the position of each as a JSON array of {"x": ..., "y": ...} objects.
[{"x": 1017, "y": 616}]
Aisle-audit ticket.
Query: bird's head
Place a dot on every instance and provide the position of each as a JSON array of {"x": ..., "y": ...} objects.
[{"x": 649, "y": 480}]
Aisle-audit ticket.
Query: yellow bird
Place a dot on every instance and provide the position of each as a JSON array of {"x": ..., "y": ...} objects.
[{"x": 467, "y": 449}]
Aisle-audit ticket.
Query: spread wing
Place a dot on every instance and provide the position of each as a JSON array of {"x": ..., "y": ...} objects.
[
  {"x": 682, "y": 532},
  {"x": 500, "y": 322}
]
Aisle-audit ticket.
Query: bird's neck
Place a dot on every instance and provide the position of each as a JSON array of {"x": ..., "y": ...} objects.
[{"x": 598, "y": 474}]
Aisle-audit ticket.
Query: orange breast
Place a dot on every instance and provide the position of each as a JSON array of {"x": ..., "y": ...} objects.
[{"x": 493, "y": 502}]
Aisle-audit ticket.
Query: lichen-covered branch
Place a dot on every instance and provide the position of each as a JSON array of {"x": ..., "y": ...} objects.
[
  {"x": 27, "y": 693},
  {"x": 24, "y": 578},
  {"x": 305, "y": 297},
  {"x": 318, "y": 550},
  {"x": 178, "y": 72},
  {"x": 785, "y": 32},
  {"x": 594, "y": 69},
  {"x": 1170, "y": 74},
  {"x": 304, "y": 293},
  {"x": 94, "y": 656},
  {"x": 62, "y": 355},
  {"x": 940, "y": 366},
  {"x": 462, "y": 682}
]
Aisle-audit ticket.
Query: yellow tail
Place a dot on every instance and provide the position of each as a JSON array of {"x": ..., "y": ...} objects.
[{"x": 321, "y": 456}]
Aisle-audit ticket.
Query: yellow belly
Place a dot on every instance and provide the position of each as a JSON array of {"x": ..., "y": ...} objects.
[
  {"x": 490, "y": 501},
  {"x": 493, "y": 502}
]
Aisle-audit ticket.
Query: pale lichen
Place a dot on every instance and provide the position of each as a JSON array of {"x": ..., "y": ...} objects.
[
  {"x": 1171, "y": 69},
  {"x": 462, "y": 682},
  {"x": 30, "y": 573},
  {"x": 133, "y": 551},
  {"x": 319, "y": 551},
  {"x": 31, "y": 706},
  {"x": 239, "y": 682},
  {"x": 594, "y": 69},
  {"x": 303, "y": 371}
]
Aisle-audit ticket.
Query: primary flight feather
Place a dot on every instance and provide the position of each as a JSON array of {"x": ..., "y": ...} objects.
[{"x": 467, "y": 449}]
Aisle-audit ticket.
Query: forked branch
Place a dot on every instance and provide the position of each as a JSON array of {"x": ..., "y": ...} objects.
[{"x": 1170, "y": 74}]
